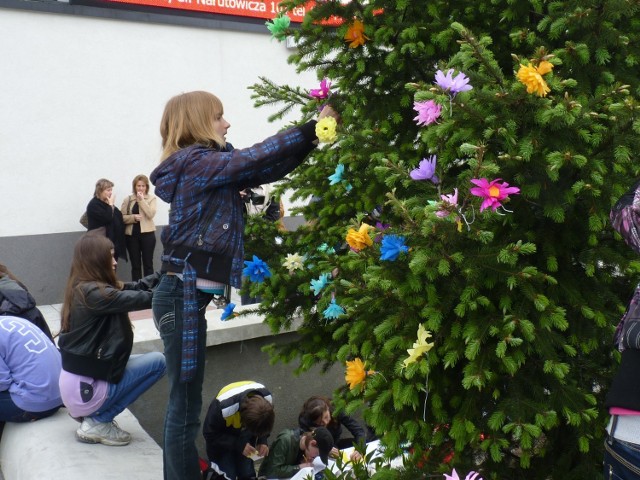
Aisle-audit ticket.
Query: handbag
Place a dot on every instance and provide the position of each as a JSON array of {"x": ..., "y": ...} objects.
[{"x": 84, "y": 220}]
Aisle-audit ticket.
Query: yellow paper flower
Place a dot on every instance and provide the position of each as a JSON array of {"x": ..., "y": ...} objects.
[
  {"x": 294, "y": 261},
  {"x": 356, "y": 373},
  {"x": 420, "y": 346},
  {"x": 355, "y": 34},
  {"x": 531, "y": 77},
  {"x": 360, "y": 239},
  {"x": 326, "y": 129}
]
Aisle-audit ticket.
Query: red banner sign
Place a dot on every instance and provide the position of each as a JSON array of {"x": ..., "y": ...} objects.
[{"x": 266, "y": 9}]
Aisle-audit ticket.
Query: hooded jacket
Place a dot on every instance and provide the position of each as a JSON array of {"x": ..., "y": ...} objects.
[{"x": 203, "y": 186}]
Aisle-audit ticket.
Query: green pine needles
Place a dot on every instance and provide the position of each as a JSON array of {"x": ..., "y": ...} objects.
[{"x": 510, "y": 262}]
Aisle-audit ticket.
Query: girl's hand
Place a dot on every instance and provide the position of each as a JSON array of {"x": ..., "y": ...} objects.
[{"x": 355, "y": 456}]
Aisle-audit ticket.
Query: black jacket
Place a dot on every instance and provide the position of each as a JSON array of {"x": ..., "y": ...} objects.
[
  {"x": 335, "y": 427},
  {"x": 16, "y": 300},
  {"x": 99, "y": 341},
  {"x": 101, "y": 214}
]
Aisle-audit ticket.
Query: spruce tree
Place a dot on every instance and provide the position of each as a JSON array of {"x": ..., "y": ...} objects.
[{"x": 520, "y": 298}]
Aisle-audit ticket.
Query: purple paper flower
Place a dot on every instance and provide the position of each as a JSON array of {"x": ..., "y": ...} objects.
[
  {"x": 333, "y": 310},
  {"x": 228, "y": 311},
  {"x": 256, "y": 270},
  {"x": 380, "y": 227},
  {"x": 322, "y": 92},
  {"x": 428, "y": 112},
  {"x": 426, "y": 170},
  {"x": 391, "y": 247},
  {"x": 451, "y": 84}
]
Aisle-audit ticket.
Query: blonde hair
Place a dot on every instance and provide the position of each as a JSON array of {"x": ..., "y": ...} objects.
[
  {"x": 188, "y": 119},
  {"x": 101, "y": 186},
  {"x": 144, "y": 179}
]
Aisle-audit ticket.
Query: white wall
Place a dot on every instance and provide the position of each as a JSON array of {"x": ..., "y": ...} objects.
[{"x": 81, "y": 98}]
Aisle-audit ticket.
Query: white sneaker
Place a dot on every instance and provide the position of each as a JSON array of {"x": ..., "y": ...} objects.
[{"x": 107, "y": 433}]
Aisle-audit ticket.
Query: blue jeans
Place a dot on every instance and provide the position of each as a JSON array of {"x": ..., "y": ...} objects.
[
  {"x": 621, "y": 460},
  {"x": 10, "y": 412},
  {"x": 182, "y": 420},
  {"x": 141, "y": 372}
]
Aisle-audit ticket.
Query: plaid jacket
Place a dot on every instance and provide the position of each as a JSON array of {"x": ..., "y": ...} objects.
[{"x": 203, "y": 187}]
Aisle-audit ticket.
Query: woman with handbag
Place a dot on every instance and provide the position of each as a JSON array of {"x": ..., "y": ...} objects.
[
  {"x": 100, "y": 377},
  {"x": 138, "y": 210},
  {"x": 104, "y": 218}
]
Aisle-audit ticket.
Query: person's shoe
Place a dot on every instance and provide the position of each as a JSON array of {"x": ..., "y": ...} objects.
[{"x": 107, "y": 433}]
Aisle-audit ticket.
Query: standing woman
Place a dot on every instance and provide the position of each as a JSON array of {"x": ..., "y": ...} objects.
[
  {"x": 104, "y": 217},
  {"x": 138, "y": 211},
  {"x": 201, "y": 176},
  {"x": 100, "y": 377}
]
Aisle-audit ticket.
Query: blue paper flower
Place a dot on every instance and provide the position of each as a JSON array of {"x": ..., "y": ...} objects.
[
  {"x": 324, "y": 248},
  {"x": 256, "y": 270},
  {"x": 391, "y": 247},
  {"x": 337, "y": 175},
  {"x": 333, "y": 310},
  {"x": 320, "y": 283},
  {"x": 228, "y": 311}
]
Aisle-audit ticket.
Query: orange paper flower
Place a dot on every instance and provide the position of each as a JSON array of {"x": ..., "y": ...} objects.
[
  {"x": 531, "y": 77},
  {"x": 360, "y": 239},
  {"x": 356, "y": 373},
  {"x": 355, "y": 34}
]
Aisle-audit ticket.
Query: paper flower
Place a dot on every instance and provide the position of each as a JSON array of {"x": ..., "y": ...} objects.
[
  {"x": 493, "y": 192},
  {"x": 356, "y": 373},
  {"x": 256, "y": 270},
  {"x": 420, "y": 346},
  {"x": 228, "y": 311},
  {"x": 428, "y": 112},
  {"x": 320, "y": 283},
  {"x": 278, "y": 27},
  {"x": 333, "y": 310},
  {"x": 391, "y": 247},
  {"x": 450, "y": 203},
  {"x": 323, "y": 92},
  {"x": 452, "y": 85},
  {"x": 294, "y": 261},
  {"x": 355, "y": 34},
  {"x": 326, "y": 129},
  {"x": 470, "y": 476},
  {"x": 337, "y": 175},
  {"x": 426, "y": 170},
  {"x": 360, "y": 239},
  {"x": 325, "y": 248},
  {"x": 531, "y": 77},
  {"x": 380, "y": 227}
]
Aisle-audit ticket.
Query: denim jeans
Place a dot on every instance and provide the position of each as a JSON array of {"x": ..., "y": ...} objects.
[
  {"x": 141, "y": 372},
  {"x": 10, "y": 412},
  {"x": 621, "y": 460},
  {"x": 182, "y": 420}
]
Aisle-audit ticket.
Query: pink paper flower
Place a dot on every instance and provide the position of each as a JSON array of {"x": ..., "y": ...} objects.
[
  {"x": 450, "y": 203},
  {"x": 428, "y": 112},
  {"x": 322, "y": 92},
  {"x": 493, "y": 192}
]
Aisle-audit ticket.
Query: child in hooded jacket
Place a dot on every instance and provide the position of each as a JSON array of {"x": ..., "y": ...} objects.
[{"x": 201, "y": 176}]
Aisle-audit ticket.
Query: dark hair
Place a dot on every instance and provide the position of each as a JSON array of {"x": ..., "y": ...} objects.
[
  {"x": 257, "y": 415},
  {"x": 4, "y": 271},
  {"x": 314, "y": 408},
  {"x": 92, "y": 262}
]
